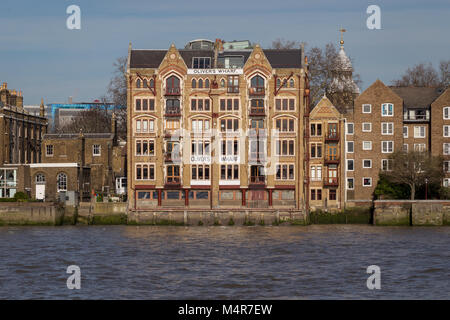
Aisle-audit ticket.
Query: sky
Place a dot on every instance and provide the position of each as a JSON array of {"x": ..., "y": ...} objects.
[{"x": 44, "y": 59}]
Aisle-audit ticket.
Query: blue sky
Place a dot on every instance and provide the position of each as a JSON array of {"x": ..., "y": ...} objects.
[{"x": 41, "y": 57}]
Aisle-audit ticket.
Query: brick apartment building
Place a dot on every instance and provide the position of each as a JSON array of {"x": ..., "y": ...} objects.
[{"x": 212, "y": 127}]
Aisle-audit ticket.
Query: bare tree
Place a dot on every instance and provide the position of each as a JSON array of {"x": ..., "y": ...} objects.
[
  {"x": 414, "y": 169},
  {"x": 425, "y": 75},
  {"x": 281, "y": 43},
  {"x": 95, "y": 120}
]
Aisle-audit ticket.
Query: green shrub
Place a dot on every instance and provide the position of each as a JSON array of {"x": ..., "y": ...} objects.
[{"x": 21, "y": 196}]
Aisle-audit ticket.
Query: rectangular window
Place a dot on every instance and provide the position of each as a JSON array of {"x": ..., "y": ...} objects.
[
  {"x": 367, "y": 127},
  {"x": 367, "y": 182},
  {"x": 231, "y": 104},
  {"x": 316, "y": 150},
  {"x": 387, "y": 128},
  {"x": 145, "y": 104},
  {"x": 350, "y": 183},
  {"x": 350, "y": 164},
  {"x": 285, "y": 104},
  {"x": 367, "y": 164},
  {"x": 201, "y": 62},
  {"x": 284, "y": 172},
  {"x": 332, "y": 194},
  {"x": 387, "y": 146},
  {"x": 313, "y": 194},
  {"x": 316, "y": 129},
  {"x": 350, "y": 146},
  {"x": 419, "y": 132},
  {"x": 350, "y": 128},
  {"x": 145, "y": 172},
  {"x": 446, "y": 166},
  {"x": 387, "y": 110},
  {"x": 229, "y": 172},
  {"x": 200, "y": 172},
  {"x": 446, "y": 113},
  {"x": 96, "y": 150},
  {"x": 366, "y": 108},
  {"x": 367, "y": 145},
  {"x": 386, "y": 164},
  {"x": 284, "y": 147},
  {"x": 420, "y": 147},
  {"x": 284, "y": 125},
  {"x": 405, "y": 147},
  {"x": 405, "y": 132},
  {"x": 446, "y": 131},
  {"x": 446, "y": 148},
  {"x": 49, "y": 150}
]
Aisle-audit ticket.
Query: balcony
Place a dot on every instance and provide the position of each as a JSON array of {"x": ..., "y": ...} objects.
[
  {"x": 331, "y": 182},
  {"x": 172, "y": 157},
  {"x": 172, "y": 182},
  {"x": 256, "y": 91},
  {"x": 259, "y": 180},
  {"x": 332, "y": 136},
  {"x": 173, "y": 91},
  {"x": 257, "y": 111},
  {"x": 257, "y": 157},
  {"x": 175, "y": 133},
  {"x": 173, "y": 112},
  {"x": 416, "y": 116},
  {"x": 331, "y": 159}
]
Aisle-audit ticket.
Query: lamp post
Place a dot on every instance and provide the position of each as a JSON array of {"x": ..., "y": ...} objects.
[{"x": 426, "y": 188}]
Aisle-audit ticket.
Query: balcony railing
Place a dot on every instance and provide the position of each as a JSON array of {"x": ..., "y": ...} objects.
[
  {"x": 233, "y": 89},
  {"x": 258, "y": 179},
  {"x": 173, "y": 181},
  {"x": 331, "y": 182},
  {"x": 173, "y": 111},
  {"x": 332, "y": 136},
  {"x": 257, "y": 91},
  {"x": 257, "y": 111},
  {"x": 173, "y": 91},
  {"x": 257, "y": 157},
  {"x": 416, "y": 117},
  {"x": 331, "y": 159},
  {"x": 172, "y": 157}
]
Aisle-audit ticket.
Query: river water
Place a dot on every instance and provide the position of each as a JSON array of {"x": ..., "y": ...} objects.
[{"x": 146, "y": 262}]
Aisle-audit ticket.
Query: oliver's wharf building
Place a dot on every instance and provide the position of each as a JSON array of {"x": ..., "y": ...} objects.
[{"x": 214, "y": 128}]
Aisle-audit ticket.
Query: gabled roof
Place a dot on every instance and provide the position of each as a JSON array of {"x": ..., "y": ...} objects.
[
  {"x": 417, "y": 97},
  {"x": 278, "y": 58}
]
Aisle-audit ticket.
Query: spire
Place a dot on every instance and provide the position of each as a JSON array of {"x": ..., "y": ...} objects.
[{"x": 342, "y": 30}]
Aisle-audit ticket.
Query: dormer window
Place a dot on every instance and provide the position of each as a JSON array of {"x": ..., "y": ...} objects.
[{"x": 201, "y": 63}]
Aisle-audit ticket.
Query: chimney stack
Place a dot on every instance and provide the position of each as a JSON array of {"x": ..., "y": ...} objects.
[
  {"x": 70, "y": 100},
  {"x": 42, "y": 109}
]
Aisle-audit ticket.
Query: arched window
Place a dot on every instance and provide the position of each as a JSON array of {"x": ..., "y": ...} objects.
[
  {"x": 61, "y": 182},
  {"x": 257, "y": 82},
  {"x": 194, "y": 83},
  {"x": 207, "y": 83},
  {"x": 285, "y": 83},
  {"x": 222, "y": 83},
  {"x": 292, "y": 83},
  {"x": 40, "y": 178},
  {"x": 278, "y": 83},
  {"x": 173, "y": 85},
  {"x": 200, "y": 83},
  {"x": 138, "y": 83},
  {"x": 145, "y": 83},
  {"x": 152, "y": 83}
]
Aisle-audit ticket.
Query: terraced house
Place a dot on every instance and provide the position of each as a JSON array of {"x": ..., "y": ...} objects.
[{"x": 216, "y": 128}]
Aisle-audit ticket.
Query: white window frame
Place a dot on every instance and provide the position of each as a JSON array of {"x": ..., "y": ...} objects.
[
  {"x": 94, "y": 154},
  {"x": 370, "y": 164},
  {"x": 353, "y": 146},
  {"x": 370, "y": 178},
  {"x": 387, "y": 114},
  {"x": 346, "y": 167},
  {"x": 420, "y": 136},
  {"x": 446, "y": 182},
  {"x": 405, "y": 135},
  {"x": 46, "y": 150},
  {"x": 421, "y": 146},
  {"x": 448, "y": 131},
  {"x": 370, "y": 108},
  {"x": 367, "y": 149},
  {"x": 448, "y": 113},
  {"x": 448, "y": 166},
  {"x": 387, "y": 144},
  {"x": 388, "y": 166},
  {"x": 352, "y": 126},
  {"x": 388, "y": 132},
  {"x": 353, "y": 179},
  {"x": 407, "y": 147},
  {"x": 370, "y": 127},
  {"x": 448, "y": 148}
]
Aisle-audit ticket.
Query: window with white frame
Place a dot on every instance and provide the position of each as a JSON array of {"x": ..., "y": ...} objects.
[
  {"x": 446, "y": 148},
  {"x": 200, "y": 172},
  {"x": 366, "y": 108},
  {"x": 350, "y": 146},
  {"x": 367, "y": 127},
  {"x": 446, "y": 166},
  {"x": 386, "y": 164},
  {"x": 284, "y": 172},
  {"x": 367, "y": 182},
  {"x": 49, "y": 150},
  {"x": 387, "y": 110},
  {"x": 446, "y": 182},
  {"x": 405, "y": 132},
  {"x": 420, "y": 147},
  {"x": 405, "y": 147},
  {"x": 446, "y": 114},
  {"x": 96, "y": 150},
  {"x": 387, "y": 128},
  {"x": 367, "y": 145},
  {"x": 316, "y": 173},
  {"x": 367, "y": 163},
  {"x": 350, "y": 164},
  {"x": 145, "y": 172},
  {"x": 350, "y": 128},
  {"x": 419, "y": 132},
  {"x": 144, "y": 125},
  {"x": 350, "y": 183},
  {"x": 446, "y": 131},
  {"x": 61, "y": 182},
  {"x": 145, "y": 147},
  {"x": 387, "y": 146}
]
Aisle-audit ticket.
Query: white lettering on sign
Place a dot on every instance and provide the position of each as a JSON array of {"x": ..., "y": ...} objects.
[
  {"x": 200, "y": 159},
  {"x": 229, "y": 159},
  {"x": 215, "y": 71}
]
